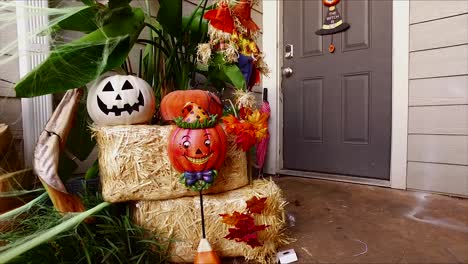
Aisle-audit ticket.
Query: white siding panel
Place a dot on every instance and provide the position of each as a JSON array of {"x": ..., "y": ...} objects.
[
  {"x": 10, "y": 114},
  {"x": 257, "y": 18},
  {"x": 9, "y": 74},
  {"x": 188, "y": 7},
  {"x": 439, "y": 91},
  {"x": 439, "y": 33},
  {"x": 439, "y": 120},
  {"x": 8, "y": 32},
  {"x": 6, "y": 89},
  {"x": 9, "y": 69},
  {"x": 258, "y": 6},
  {"x": 438, "y": 149},
  {"x": 438, "y": 177},
  {"x": 439, "y": 62},
  {"x": 424, "y": 10}
]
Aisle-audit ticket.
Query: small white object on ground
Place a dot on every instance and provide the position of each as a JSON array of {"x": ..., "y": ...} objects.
[{"x": 286, "y": 256}]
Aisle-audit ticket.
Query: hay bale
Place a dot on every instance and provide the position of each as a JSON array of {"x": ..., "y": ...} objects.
[
  {"x": 134, "y": 165},
  {"x": 179, "y": 219}
]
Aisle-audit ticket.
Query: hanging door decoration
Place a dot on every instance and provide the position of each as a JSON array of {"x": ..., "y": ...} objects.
[{"x": 333, "y": 22}]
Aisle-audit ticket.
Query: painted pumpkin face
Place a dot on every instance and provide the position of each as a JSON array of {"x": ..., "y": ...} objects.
[
  {"x": 330, "y": 2},
  {"x": 197, "y": 150},
  {"x": 121, "y": 100}
]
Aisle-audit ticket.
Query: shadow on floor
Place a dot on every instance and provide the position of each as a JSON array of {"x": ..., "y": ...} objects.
[{"x": 350, "y": 223}]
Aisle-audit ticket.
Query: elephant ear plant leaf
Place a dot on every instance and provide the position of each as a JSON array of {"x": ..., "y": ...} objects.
[
  {"x": 47, "y": 153},
  {"x": 170, "y": 16},
  {"x": 223, "y": 71},
  {"x": 83, "y": 60},
  {"x": 84, "y": 19}
]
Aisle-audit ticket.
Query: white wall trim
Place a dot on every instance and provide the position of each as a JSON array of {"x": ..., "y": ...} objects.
[
  {"x": 32, "y": 50},
  {"x": 400, "y": 83},
  {"x": 272, "y": 46}
]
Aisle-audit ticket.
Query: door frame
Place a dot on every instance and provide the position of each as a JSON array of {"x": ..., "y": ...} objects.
[{"x": 273, "y": 48}]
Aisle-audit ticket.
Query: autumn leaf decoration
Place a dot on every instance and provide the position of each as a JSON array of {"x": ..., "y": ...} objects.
[
  {"x": 244, "y": 227},
  {"x": 249, "y": 129}
]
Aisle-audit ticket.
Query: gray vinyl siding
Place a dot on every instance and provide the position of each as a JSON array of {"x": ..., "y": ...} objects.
[
  {"x": 10, "y": 107},
  {"x": 438, "y": 97}
]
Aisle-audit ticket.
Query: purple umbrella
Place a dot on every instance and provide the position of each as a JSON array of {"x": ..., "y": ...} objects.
[{"x": 262, "y": 146}]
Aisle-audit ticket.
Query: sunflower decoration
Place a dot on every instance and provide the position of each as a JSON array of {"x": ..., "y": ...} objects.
[{"x": 233, "y": 33}]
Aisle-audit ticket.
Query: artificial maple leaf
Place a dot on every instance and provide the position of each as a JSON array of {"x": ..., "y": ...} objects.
[
  {"x": 255, "y": 205},
  {"x": 246, "y": 140},
  {"x": 240, "y": 235},
  {"x": 232, "y": 124},
  {"x": 254, "y": 243},
  {"x": 259, "y": 124},
  {"x": 244, "y": 112},
  {"x": 246, "y": 231},
  {"x": 235, "y": 218}
]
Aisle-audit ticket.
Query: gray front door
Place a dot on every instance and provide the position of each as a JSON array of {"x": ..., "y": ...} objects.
[{"x": 337, "y": 106}]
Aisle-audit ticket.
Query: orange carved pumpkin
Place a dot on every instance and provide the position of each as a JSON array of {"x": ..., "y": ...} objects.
[
  {"x": 197, "y": 150},
  {"x": 173, "y": 102}
]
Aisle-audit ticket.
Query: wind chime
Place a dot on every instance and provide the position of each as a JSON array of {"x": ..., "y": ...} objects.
[{"x": 333, "y": 22}]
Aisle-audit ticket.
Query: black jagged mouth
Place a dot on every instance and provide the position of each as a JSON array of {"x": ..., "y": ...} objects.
[{"x": 127, "y": 107}]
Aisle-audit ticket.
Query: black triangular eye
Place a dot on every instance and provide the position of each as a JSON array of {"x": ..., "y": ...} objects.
[
  {"x": 127, "y": 86},
  {"x": 108, "y": 88}
]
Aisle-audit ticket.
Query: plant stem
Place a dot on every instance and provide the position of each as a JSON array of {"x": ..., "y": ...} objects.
[
  {"x": 23, "y": 208},
  {"x": 50, "y": 233},
  {"x": 202, "y": 215}
]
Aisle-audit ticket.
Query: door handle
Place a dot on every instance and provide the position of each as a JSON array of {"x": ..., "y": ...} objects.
[{"x": 287, "y": 72}]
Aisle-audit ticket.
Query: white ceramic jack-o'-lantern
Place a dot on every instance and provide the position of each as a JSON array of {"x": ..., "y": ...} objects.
[{"x": 121, "y": 100}]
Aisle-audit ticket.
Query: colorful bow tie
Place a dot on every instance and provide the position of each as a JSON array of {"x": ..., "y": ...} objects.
[{"x": 192, "y": 177}]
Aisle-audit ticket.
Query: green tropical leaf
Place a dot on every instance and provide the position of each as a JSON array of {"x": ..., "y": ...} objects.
[
  {"x": 93, "y": 171},
  {"x": 170, "y": 16},
  {"x": 76, "y": 63},
  {"x": 227, "y": 72},
  {"x": 114, "y": 4},
  {"x": 83, "y": 19},
  {"x": 234, "y": 76},
  {"x": 89, "y": 2},
  {"x": 196, "y": 27}
]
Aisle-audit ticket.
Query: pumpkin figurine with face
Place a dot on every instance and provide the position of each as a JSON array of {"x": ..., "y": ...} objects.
[
  {"x": 121, "y": 100},
  {"x": 197, "y": 147}
]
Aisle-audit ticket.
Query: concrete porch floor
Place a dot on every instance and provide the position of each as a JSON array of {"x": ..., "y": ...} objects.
[{"x": 350, "y": 223}]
